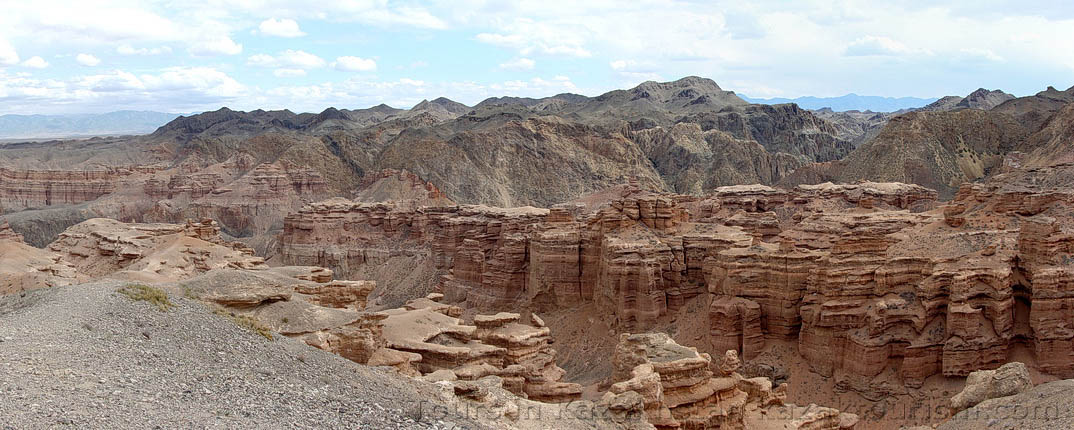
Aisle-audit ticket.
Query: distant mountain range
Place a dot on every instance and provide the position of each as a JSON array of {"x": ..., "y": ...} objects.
[
  {"x": 850, "y": 102},
  {"x": 79, "y": 125}
]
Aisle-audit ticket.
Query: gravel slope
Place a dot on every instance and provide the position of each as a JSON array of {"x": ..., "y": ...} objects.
[
  {"x": 1044, "y": 407},
  {"x": 86, "y": 357}
]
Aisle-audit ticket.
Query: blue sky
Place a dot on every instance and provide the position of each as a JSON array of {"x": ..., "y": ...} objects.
[{"x": 186, "y": 56}]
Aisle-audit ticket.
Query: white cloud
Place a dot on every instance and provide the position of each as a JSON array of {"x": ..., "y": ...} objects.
[
  {"x": 301, "y": 59},
  {"x": 215, "y": 46},
  {"x": 194, "y": 78},
  {"x": 354, "y": 64},
  {"x": 35, "y": 62},
  {"x": 982, "y": 53},
  {"x": 519, "y": 64},
  {"x": 262, "y": 60},
  {"x": 833, "y": 47},
  {"x": 87, "y": 60},
  {"x": 384, "y": 14},
  {"x": 111, "y": 82},
  {"x": 879, "y": 45},
  {"x": 182, "y": 89},
  {"x": 127, "y": 49},
  {"x": 530, "y": 37},
  {"x": 633, "y": 72},
  {"x": 289, "y": 73},
  {"x": 287, "y": 59},
  {"x": 8, "y": 56},
  {"x": 280, "y": 27},
  {"x": 633, "y": 66}
]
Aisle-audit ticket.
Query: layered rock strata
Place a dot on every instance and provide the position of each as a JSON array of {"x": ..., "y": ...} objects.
[
  {"x": 865, "y": 277},
  {"x": 23, "y": 267},
  {"x": 102, "y": 247},
  {"x": 638, "y": 254},
  {"x": 675, "y": 388},
  {"x": 22, "y": 189},
  {"x": 949, "y": 291}
]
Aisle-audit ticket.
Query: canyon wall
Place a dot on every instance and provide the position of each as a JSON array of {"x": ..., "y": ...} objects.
[
  {"x": 865, "y": 277},
  {"x": 247, "y": 199}
]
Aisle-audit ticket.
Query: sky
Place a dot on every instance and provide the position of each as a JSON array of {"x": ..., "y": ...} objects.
[{"x": 59, "y": 57}]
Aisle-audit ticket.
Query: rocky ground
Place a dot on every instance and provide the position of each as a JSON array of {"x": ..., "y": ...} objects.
[
  {"x": 87, "y": 357},
  {"x": 1044, "y": 407}
]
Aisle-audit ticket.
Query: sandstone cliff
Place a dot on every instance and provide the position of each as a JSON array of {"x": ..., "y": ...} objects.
[{"x": 864, "y": 277}]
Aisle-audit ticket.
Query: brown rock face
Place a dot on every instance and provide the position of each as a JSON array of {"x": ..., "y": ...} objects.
[
  {"x": 246, "y": 202},
  {"x": 102, "y": 246},
  {"x": 391, "y": 185},
  {"x": 677, "y": 389},
  {"x": 858, "y": 274},
  {"x": 639, "y": 255},
  {"x": 23, "y": 267},
  {"x": 6, "y": 233},
  {"x": 340, "y": 294},
  {"x": 426, "y": 337},
  {"x": 949, "y": 291},
  {"x": 1008, "y": 380},
  {"x": 22, "y": 189}
]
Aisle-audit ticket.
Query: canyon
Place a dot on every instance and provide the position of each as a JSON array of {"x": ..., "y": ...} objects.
[
  {"x": 669, "y": 255},
  {"x": 865, "y": 277}
]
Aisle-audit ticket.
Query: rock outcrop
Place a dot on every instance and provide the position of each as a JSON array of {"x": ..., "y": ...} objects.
[
  {"x": 23, "y": 267},
  {"x": 391, "y": 185},
  {"x": 6, "y": 233},
  {"x": 1008, "y": 380},
  {"x": 1046, "y": 406},
  {"x": 105, "y": 247},
  {"x": 673, "y": 387}
]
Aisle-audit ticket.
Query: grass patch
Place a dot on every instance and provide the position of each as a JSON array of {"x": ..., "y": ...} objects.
[
  {"x": 246, "y": 322},
  {"x": 155, "y": 296}
]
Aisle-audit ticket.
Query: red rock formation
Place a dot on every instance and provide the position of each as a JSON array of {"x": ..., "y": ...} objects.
[
  {"x": 23, "y": 267},
  {"x": 6, "y": 233},
  {"x": 339, "y": 294},
  {"x": 22, "y": 189},
  {"x": 677, "y": 389},
  {"x": 400, "y": 186},
  {"x": 101, "y": 247},
  {"x": 640, "y": 256},
  {"x": 426, "y": 337},
  {"x": 949, "y": 292},
  {"x": 857, "y": 274}
]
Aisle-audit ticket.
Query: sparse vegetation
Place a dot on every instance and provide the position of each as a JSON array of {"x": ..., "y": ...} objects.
[
  {"x": 246, "y": 322},
  {"x": 189, "y": 293},
  {"x": 141, "y": 292}
]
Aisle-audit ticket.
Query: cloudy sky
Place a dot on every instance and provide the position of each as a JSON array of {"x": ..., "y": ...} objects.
[{"x": 193, "y": 55}]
